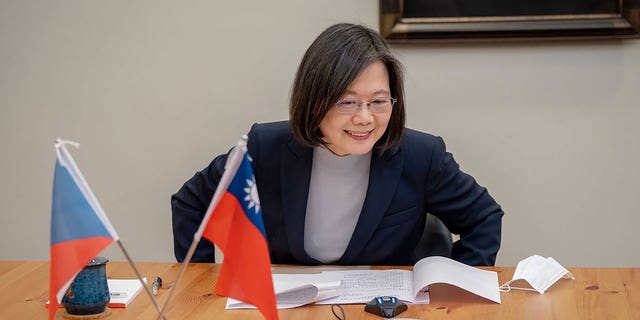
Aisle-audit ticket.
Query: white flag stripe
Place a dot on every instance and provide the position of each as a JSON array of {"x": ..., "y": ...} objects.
[{"x": 66, "y": 160}]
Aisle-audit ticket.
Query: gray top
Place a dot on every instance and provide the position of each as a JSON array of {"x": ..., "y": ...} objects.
[{"x": 336, "y": 193}]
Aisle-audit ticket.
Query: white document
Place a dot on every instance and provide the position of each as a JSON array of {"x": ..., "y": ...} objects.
[
  {"x": 122, "y": 291},
  {"x": 362, "y": 286},
  {"x": 431, "y": 270},
  {"x": 294, "y": 290}
]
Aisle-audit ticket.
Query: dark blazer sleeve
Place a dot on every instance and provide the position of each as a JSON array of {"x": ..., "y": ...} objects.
[
  {"x": 188, "y": 207},
  {"x": 465, "y": 207}
]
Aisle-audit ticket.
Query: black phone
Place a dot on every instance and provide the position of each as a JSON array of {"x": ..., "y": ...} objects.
[{"x": 386, "y": 306}]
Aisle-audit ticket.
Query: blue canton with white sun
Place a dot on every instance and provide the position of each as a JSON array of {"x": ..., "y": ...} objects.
[
  {"x": 244, "y": 189},
  {"x": 252, "y": 195}
]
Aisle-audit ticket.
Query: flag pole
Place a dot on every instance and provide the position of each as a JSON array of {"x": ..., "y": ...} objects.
[
  {"x": 135, "y": 269},
  {"x": 233, "y": 162}
]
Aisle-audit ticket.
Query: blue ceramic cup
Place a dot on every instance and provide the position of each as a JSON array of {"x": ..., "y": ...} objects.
[{"x": 89, "y": 292}]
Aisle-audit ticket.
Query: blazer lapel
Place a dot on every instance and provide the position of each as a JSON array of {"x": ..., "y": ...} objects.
[
  {"x": 384, "y": 175},
  {"x": 296, "y": 174}
]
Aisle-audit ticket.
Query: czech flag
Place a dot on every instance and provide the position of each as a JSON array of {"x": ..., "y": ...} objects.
[
  {"x": 79, "y": 228},
  {"x": 236, "y": 227}
]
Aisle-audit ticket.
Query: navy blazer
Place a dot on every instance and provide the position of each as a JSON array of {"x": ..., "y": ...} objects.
[{"x": 417, "y": 177}]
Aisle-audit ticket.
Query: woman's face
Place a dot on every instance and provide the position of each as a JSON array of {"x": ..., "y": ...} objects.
[{"x": 357, "y": 133}]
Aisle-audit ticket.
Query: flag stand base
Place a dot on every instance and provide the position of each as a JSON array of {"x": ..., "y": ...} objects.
[{"x": 106, "y": 313}]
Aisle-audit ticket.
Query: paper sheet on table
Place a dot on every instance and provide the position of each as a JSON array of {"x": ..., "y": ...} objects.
[
  {"x": 123, "y": 291},
  {"x": 294, "y": 290},
  {"x": 363, "y": 285},
  {"x": 435, "y": 269}
]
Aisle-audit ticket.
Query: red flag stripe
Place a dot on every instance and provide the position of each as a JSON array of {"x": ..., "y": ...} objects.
[{"x": 246, "y": 271}]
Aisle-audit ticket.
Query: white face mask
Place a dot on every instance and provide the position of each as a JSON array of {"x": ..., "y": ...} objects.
[{"x": 539, "y": 272}]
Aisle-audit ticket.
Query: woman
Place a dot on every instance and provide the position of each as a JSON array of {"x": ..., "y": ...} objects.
[{"x": 344, "y": 182}]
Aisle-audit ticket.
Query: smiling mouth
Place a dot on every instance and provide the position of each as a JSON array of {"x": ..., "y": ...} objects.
[{"x": 359, "y": 135}]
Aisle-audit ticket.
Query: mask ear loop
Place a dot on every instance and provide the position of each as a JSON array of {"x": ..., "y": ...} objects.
[{"x": 507, "y": 287}]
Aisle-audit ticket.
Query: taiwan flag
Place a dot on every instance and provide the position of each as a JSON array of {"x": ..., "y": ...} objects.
[
  {"x": 236, "y": 227},
  {"x": 79, "y": 228}
]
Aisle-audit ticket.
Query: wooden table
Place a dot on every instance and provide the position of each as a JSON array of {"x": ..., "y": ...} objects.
[{"x": 597, "y": 293}]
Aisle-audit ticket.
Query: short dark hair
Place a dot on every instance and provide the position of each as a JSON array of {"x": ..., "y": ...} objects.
[{"x": 327, "y": 68}]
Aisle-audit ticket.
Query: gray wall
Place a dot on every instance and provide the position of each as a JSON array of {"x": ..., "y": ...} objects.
[{"x": 154, "y": 89}]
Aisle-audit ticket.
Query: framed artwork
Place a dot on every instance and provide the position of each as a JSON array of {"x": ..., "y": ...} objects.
[{"x": 439, "y": 20}]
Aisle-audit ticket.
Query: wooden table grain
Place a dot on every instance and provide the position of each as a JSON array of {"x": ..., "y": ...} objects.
[{"x": 596, "y": 293}]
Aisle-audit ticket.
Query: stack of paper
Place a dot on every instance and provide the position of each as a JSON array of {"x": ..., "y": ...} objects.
[
  {"x": 294, "y": 290},
  {"x": 360, "y": 286},
  {"x": 122, "y": 291}
]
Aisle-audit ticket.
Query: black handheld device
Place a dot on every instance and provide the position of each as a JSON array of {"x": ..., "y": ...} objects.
[{"x": 387, "y": 307}]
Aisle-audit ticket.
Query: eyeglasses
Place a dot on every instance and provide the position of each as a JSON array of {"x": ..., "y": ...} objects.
[{"x": 377, "y": 105}]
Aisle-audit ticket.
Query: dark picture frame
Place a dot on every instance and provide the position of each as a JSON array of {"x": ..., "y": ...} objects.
[{"x": 444, "y": 20}]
